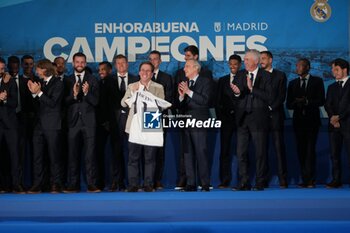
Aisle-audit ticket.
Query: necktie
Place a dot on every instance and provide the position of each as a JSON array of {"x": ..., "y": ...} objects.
[
  {"x": 191, "y": 84},
  {"x": 154, "y": 77},
  {"x": 122, "y": 85},
  {"x": 340, "y": 88},
  {"x": 252, "y": 78},
  {"x": 80, "y": 94},
  {"x": 303, "y": 85},
  {"x": 233, "y": 79},
  {"x": 44, "y": 84},
  {"x": 340, "y": 83}
]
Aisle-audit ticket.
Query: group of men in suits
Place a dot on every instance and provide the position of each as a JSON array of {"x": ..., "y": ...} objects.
[{"x": 51, "y": 109}]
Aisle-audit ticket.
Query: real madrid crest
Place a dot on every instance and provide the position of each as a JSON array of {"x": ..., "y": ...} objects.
[{"x": 320, "y": 11}]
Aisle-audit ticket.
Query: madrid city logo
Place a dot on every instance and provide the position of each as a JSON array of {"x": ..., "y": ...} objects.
[
  {"x": 217, "y": 27},
  {"x": 320, "y": 11},
  {"x": 152, "y": 119}
]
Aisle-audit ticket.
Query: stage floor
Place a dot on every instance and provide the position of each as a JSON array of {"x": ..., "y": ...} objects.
[{"x": 272, "y": 210}]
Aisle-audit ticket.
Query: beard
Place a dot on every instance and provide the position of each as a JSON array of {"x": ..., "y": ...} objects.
[{"x": 79, "y": 69}]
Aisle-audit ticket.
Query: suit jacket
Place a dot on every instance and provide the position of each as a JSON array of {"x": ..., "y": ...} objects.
[
  {"x": 8, "y": 107},
  {"x": 261, "y": 98},
  {"x": 155, "y": 88},
  {"x": 85, "y": 107},
  {"x": 26, "y": 99},
  {"x": 181, "y": 77},
  {"x": 225, "y": 100},
  {"x": 116, "y": 96},
  {"x": 104, "y": 108},
  {"x": 48, "y": 105},
  {"x": 166, "y": 81},
  {"x": 306, "y": 115},
  {"x": 338, "y": 103},
  {"x": 279, "y": 86},
  {"x": 198, "y": 105}
]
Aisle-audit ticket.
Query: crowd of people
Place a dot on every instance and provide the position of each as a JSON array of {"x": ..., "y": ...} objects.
[{"x": 61, "y": 122}]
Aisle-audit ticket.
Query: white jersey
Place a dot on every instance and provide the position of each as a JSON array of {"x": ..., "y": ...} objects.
[{"x": 142, "y": 102}]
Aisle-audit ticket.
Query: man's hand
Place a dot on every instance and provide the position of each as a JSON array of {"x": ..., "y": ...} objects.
[
  {"x": 34, "y": 87},
  {"x": 85, "y": 88},
  {"x": 76, "y": 89},
  {"x": 183, "y": 86},
  {"x": 3, "y": 95},
  {"x": 235, "y": 89}
]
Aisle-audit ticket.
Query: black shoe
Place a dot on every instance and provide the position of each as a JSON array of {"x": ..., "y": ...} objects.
[
  {"x": 224, "y": 185},
  {"x": 180, "y": 185},
  {"x": 34, "y": 190},
  {"x": 2, "y": 190},
  {"x": 56, "y": 189},
  {"x": 18, "y": 189},
  {"x": 132, "y": 189},
  {"x": 283, "y": 184},
  {"x": 93, "y": 189},
  {"x": 115, "y": 187},
  {"x": 149, "y": 189},
  {"x": 242, "y": 187},
  {"x": 334, "y": 185},
  {"x": 71, "y": 189},
  {"x": 205, "y": 188},
  {"x": 190, "y": 188},
  {"x": 258, "y": 187},
  {"x": 158, "y": 185}
]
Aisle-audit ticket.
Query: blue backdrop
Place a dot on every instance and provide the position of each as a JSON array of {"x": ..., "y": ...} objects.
[{"x": 101, "y": 29}]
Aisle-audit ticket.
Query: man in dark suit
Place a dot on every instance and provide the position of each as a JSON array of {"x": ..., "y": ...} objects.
[
  {"x": 103, "y": 117},
  {"x": 305, "y": 96},
  {"x": 81, "y": 102},
  {"x": 191, "y": 53},
  {"x": 119, "y": 141},
  {"x": 225, "y": 111},
  {"x": 254, "y": 90},
  {"x": 194, "y": 97},
  {"x": 338, "y": 108},
  {"x": 9, "y": 131},
  {"x": 277, "y": 116},
  {"x": 24, "y": 110},
  {"x": 165, "y": 80},
  {"x": 48, "y": 96}
]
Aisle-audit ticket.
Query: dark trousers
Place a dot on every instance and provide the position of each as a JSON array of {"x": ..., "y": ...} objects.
[
  {"x": 226, "y": 133},
  {"x": 195, "y": 155},
  {"x": 181, "y": 170},
  {"x": 116, "y": 160},
  {"x": 81, "y": 138},
  {"x": 258, "y": 136},
  {"x": 47, "y": 164},
  {"x": 119, "y": 142},
  {"x": 10, "y": 138},
  {"x": 25, "y": 139},
  {"x": 135, "y": 155},
  {"x": 276, "y": 131},
  {"x": 337, "y": 138},
  {"x": 306, "y": 139},
  {"x": 160, "y": 160}
]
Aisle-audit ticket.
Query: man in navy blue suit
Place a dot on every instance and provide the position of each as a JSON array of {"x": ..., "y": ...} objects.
[
  {"x": 81, "y": 100},
  {"x": 277, "y": 116},
  {"x": 338, "y": 108},
  {"x": 194, "y": 98},
  {"x": 9, "y": 132},
  {"x": 305, "y": 96},
  {"x": 226, "y": 110},
  {"x": 254, "y": 90},
  {"x": 48, "y": 96}
]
